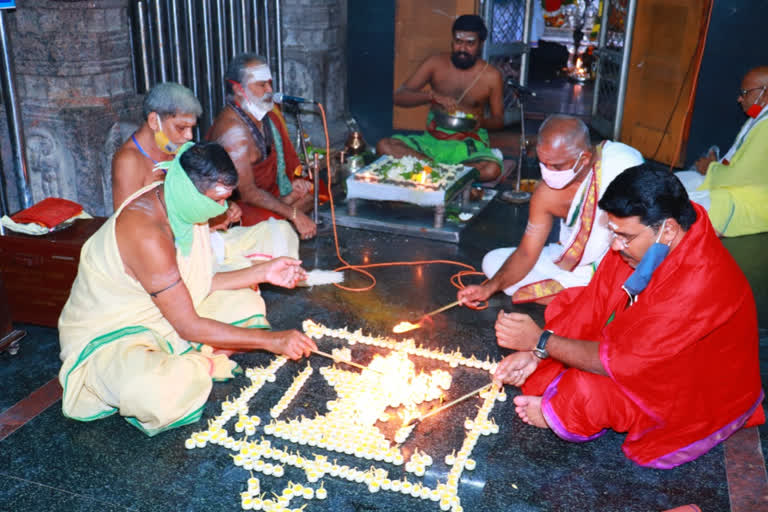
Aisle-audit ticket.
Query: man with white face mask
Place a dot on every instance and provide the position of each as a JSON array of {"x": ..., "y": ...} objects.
[
  {"x": 575, "y": 175},
  {"x": 734, "y": 188},
  {"x": 254, "y": 134}
]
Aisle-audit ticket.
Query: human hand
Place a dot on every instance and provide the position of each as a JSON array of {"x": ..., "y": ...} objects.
[
  {"x": 304, "y": 225},
  {"x": 302, "y": 187},
  {"x": 292, "y": 344},
  {"x": 702, "y": 164},
  {"x": 447, "y": 102},
  {"x": 227, "y": 218},
  {"x": 516, "y": 368},
  {"x": 517, "y": 331},
  {"x": 284, "y": 271},
  {"x": 473, "y": 294}
]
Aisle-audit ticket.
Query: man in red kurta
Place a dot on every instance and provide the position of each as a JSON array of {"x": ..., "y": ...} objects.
[
  {"x": 253, "y": 132},
  {"x": 669, "y": 356}
]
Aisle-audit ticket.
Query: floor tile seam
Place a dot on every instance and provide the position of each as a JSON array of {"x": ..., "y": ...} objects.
[
  {"x": 65, "y": 491},
  {"x": 755, "y": 468},
  {"x": 29, "y": 407}
]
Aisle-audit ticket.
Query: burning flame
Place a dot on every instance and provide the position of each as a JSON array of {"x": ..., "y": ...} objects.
[
  {"x": 405, "y": 327},
  {"x": 423, "y": 176}
]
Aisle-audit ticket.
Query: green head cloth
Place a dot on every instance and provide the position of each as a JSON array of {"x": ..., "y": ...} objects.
[{"x": 186, "y": 205}]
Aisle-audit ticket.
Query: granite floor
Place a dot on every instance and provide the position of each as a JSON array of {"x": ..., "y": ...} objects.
[{"x": 53, "y": 463}]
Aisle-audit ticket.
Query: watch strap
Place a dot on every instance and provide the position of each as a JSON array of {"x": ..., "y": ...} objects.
[{"x": 541, "y": 347}]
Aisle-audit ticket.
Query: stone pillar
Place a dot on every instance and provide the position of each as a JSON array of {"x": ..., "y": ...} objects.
[
  {"x": 75, "y": 83},
  {"x": 315, "y": 61}
]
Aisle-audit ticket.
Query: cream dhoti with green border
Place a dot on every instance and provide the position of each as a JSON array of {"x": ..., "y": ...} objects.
[{"x": 121, "y": 355}]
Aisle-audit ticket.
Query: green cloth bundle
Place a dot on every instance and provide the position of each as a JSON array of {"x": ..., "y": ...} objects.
[{"x": 186, "y": 205}]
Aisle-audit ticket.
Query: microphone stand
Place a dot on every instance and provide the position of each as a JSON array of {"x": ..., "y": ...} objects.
[
  {"x": 518, "y": 196},
  {"x": 314, "y": 176}
]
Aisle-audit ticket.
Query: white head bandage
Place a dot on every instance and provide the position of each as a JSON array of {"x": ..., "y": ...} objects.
[
  {"x": 465, "y": 36},
  {"x": 260, "y": 73},
  {"x": 257, "y": 106}
]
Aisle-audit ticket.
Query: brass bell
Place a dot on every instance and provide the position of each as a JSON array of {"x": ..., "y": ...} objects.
[{"x": 355, "y": 144}]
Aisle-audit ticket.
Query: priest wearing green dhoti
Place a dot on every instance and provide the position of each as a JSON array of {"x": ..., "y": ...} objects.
[{"x": 461, "y": 87}]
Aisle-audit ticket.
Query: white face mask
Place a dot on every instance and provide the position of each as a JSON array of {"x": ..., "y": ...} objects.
[{"x": 559, "y": 179}]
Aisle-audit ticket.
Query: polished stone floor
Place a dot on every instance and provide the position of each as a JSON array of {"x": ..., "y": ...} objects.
[{"x": 54, "y": 463}]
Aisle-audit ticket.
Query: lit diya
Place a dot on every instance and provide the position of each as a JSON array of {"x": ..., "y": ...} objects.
[{"x": 408, "y": 326}]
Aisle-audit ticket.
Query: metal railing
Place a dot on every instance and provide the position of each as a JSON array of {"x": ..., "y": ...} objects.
[
  {"x": 192, "y": 41},
  {"x": 508, "y": 44},
  {"x": 613, "y": 53}
]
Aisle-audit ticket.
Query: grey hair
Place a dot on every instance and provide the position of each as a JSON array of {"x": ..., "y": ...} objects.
[
  {"x": 171, "y": 99},
  {"x": 236, "y": 69},
  {"x": 565, "y": 131}
]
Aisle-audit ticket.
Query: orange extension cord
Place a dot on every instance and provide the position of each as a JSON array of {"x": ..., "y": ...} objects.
[{"x": 456, "y": 279}]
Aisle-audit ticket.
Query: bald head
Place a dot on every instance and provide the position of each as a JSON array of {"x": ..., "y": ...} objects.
[
  {"x": 759, "y": 74},
  {"x": 754, "y": 87},
  {"x": 565, "y": 134}
]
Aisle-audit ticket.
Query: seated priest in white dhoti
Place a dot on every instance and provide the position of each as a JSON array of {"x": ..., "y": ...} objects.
[
  {"x": 734, "y": 188},
  {"x": 149, "y": 323},
  {"x": 575, "y": 174}
]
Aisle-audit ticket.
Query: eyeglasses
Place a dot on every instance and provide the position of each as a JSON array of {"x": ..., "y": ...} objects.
[
  {"x": 744, "y": 92},
  {"x": 623, "y": 240}
]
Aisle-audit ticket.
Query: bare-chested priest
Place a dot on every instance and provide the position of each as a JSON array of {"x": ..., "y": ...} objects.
[
  {"x": 461, "y": 84},
  {"x": 575, "y": 174},
  {"x": 170, "y": 114},
  {"x": 148, "y": 306}
]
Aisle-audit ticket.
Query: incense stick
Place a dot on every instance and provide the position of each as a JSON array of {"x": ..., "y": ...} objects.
[
  {"x": 338, "y": 360},
  {"x": 449, "y": 404},
  {"x": 440, "y": 310}
]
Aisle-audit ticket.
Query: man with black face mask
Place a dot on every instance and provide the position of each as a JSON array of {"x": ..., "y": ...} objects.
[{"x": 460, "y": 84}]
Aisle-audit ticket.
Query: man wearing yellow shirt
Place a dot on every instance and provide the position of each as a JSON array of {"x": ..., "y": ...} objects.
[{"x": 734, "y": 188}]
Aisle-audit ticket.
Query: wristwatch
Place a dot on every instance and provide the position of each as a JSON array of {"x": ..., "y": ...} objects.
[{"x": 540, "y": 351}]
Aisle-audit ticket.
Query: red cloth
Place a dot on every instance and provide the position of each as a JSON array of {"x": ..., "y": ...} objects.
[
  {"x": 265, "y": 174},
  {"x": 49, "y": 212},
  {"x": 684, "y": 356}
]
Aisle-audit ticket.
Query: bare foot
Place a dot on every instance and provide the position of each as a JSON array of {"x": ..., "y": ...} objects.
[{"x": 529, "y": 410}]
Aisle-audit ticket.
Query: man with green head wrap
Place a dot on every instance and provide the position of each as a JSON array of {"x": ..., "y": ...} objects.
[{"x": 149, "y": 321}]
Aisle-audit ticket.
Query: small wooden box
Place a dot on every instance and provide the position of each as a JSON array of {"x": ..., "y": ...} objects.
[{"x": 39, "y": 270}]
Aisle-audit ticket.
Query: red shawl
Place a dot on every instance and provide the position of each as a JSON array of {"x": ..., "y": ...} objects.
[
  {"x": 686, "y": 353},
  {"x": 265, "y": 173}
]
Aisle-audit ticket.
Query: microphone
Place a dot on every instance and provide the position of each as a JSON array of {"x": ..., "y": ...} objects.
[
  {"x": 521, "y": 89},
  {"x": 279, "y": 97}
]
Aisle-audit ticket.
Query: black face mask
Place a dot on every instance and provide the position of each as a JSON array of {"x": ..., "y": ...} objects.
[{"x": 463, "y": 60}]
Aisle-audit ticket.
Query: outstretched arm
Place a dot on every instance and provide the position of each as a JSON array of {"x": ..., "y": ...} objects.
[
  {"x": 159, "y": 276},
  {"x": 283, "y": 271},
  {"x": 519, "y": 332},
  {"x": 522, "y": 260}
]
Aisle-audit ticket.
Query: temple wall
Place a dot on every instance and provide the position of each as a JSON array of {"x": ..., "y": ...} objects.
[{"x": 78, "y": 100}]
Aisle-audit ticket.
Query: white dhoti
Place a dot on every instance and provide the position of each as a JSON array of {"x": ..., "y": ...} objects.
[
  {"x": 614, "y": 157},
  {"x": 544, "y": 269},
  {"x": 238, "y": 246}
]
